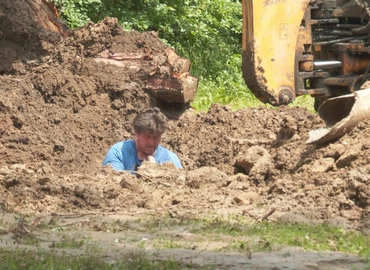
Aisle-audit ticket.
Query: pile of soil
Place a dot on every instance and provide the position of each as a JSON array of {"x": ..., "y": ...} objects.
[{"x": 60, "y": 111}]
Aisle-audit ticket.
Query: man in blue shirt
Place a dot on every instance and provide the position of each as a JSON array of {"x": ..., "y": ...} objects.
[{"x": 149, "y": 125}]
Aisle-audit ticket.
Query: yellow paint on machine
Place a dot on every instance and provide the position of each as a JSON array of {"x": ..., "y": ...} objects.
[{"x": 271, "y": 28}]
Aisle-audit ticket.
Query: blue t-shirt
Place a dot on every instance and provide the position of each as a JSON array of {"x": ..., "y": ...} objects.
[{"x": 123, "y": 156}]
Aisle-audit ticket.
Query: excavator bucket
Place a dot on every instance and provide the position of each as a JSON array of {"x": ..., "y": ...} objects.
[
  {"x": 270, "y": 31},
  {"x": 341, "y": 114}
]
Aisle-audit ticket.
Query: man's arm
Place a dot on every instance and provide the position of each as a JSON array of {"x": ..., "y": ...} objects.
[
  {"x": 174, "y": 159},
  {"x": 163, "y": 155},
  {"x": 114, "y": 158}
]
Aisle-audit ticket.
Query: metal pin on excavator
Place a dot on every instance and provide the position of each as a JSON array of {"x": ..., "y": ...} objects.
[{"x": 310, "y": 47}]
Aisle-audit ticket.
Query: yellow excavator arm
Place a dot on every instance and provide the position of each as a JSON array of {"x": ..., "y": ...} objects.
[
  {"x": 299, "y": 47},
  {"x": 270, "y": 30}
]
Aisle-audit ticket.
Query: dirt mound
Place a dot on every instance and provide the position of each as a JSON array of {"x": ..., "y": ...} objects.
[{"x": 62, "y": 107}]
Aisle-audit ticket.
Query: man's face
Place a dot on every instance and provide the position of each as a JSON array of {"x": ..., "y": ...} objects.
[{"x": 147, "y": 143}]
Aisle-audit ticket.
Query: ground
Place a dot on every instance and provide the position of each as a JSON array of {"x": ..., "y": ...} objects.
[{"x": 60, "y": 111}]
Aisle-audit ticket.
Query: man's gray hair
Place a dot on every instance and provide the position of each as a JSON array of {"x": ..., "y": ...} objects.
[{"x": 150, "y": 121}]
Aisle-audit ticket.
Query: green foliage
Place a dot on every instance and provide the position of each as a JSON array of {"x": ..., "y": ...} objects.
[
  {"x": 228, "y": 88},
  {"x": 76, "y": 12}
]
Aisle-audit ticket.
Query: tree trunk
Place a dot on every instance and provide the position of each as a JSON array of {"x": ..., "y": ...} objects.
[
  {"x": 46, "y": 16},
  {"x": 171, "y": 83}
]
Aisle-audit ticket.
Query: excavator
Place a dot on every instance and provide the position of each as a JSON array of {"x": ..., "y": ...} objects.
[{"x": 319, "y": 48}]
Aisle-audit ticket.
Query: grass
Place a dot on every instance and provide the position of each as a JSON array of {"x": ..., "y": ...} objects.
[
  {"x": 238, "y": 246},
  {"x": 305, "y": 102},
  {"x": 68, "y": 242},
  {"x": 25, "y": 259},
  {"x": 224, "y": 91},
  {"x": 317, "y": 238},
  {"x": 163, "y": 242},
  {"x": 263, "y": 236},
  {"x": 151, "y": 223},
  {"x": 40, "y": 260},
  {"x": 234, "y": 93},
  {"x": 221, "y": 233},
  {"x": 29, "y": 240}
]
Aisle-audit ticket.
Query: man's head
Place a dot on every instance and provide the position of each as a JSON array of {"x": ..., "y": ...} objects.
[{"x": 149, "y": 125}]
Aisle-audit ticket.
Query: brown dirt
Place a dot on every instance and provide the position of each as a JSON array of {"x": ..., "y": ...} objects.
[{"x": 60, "y": 111}]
